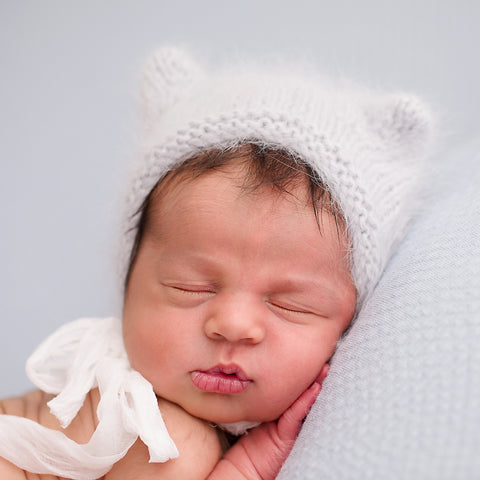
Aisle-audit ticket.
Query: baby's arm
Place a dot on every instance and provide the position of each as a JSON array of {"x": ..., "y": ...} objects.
[
  {"x": 33, "y": 406},
  {"x": 196, "y": 440},
  {"x": 261, "y": 452}
]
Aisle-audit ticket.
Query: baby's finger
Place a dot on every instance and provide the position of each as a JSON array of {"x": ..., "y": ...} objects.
[
  {"x": 323, "y": 374},
  {"x": 290, "y": 422}
]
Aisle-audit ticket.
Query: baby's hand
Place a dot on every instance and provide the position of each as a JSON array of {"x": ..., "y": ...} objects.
[{"x": 260, "y": 453}]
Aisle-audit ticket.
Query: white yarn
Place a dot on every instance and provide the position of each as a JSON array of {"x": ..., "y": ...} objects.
[
  {"x": 368, "y": 148},
  {"x": 78, "y": 357}
]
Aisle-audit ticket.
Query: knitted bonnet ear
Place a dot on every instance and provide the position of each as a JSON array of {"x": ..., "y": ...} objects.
[
  {"x": 384, "y": 195},
  {"x": 167, "y": 74},
  {"x": 402, "y": 121}
]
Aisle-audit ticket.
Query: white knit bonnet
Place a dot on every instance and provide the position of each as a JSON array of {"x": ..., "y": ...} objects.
[{"x": 368, "y": 148}]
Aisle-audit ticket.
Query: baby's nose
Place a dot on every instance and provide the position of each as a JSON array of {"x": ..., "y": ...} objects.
[{"x": 235, "y": 318}]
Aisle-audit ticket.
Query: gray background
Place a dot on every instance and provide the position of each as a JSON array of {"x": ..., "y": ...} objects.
[{"x": 68, "y": 74}]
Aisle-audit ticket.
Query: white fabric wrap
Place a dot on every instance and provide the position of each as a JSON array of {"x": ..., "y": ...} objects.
[{"x": 78, "y": 357}]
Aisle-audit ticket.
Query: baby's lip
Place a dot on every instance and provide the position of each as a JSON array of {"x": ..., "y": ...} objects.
[
  {"x": 230, "y": 369},
  {"x": 221, "y": 379}
]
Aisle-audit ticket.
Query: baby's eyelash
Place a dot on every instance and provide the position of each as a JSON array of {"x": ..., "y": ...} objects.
[
  {"x": 289, "y": 308},
  {"x": 192, "y": 291}
]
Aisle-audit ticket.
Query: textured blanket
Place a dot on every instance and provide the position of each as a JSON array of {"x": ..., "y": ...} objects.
[{"x": 402, "y": 399}]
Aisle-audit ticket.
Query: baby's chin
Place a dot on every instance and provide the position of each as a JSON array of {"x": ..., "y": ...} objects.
[
  {"x": 224, "y": 419},
  {"x": 221, "y": 414}
]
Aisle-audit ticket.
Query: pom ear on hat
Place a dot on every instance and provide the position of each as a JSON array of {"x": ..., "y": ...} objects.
[
  {"x": 167, "y": 74},
  {"x": 403, "y": 121}
]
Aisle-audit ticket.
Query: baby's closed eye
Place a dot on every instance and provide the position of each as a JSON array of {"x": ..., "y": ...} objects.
[
  {"x": 293, "y": 310},
  {"x": 187, "y": 295}
]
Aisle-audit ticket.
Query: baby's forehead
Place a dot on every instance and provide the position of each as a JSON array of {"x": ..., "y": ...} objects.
[{"x": 216, "y": 202}]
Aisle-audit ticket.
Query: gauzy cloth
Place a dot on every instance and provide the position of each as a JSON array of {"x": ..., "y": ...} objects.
[{"x": 80, "y": 356}]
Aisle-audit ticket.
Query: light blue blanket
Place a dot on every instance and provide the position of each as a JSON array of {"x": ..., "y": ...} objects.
[{"x": 402, "y": 399}]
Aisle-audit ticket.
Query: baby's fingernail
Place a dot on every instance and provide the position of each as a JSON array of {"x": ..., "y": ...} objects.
[
  {"x": 316, "y": 387},
  {"x": 323, "y": 374}
]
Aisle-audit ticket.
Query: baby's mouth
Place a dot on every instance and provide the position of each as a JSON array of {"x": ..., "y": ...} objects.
[{"x": 228, "y": 379}]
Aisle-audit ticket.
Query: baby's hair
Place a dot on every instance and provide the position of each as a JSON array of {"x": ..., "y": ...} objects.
[{"x": 263, "y": 166}]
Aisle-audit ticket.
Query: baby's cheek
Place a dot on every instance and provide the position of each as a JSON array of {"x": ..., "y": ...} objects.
[
  {"x": 138, "y": 347},
  {"x": 282, "y": 394}
]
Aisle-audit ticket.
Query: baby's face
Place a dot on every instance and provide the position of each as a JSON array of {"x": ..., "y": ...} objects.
[{"x": 236, "y": 300}]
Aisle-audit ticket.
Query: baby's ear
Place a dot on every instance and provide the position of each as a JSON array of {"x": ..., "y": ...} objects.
[
  {"x": 167, "y": 74},
  {"x": 402, "y": 121}
]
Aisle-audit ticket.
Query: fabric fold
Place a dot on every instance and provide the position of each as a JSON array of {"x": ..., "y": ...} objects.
[{"x": 78, "y": 357}]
